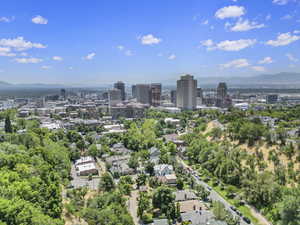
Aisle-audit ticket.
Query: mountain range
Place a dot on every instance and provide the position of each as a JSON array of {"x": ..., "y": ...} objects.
[{"x": 278, "y": 80}]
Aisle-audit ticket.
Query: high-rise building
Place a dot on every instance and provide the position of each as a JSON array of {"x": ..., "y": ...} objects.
[
  {"x": 121, "y": 86},
  {"x": 271, "y": 99},
  {"x": 142, "y": 92},
  {"x": 222, "y": 90},
  {"x": 63, "y": 93},
  {"x": 199, "y": 96},
  {"x": 186, "y": 92},
  {"x": 173, "y": 97},
  {"x": 114, "y": 97},
  {"x": 223, "y": 100},
  {"x": 133, "y": 90},
  {"x": 155, "y": 94}
]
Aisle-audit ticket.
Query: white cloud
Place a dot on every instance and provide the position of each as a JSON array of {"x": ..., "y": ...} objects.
[
  {"x": 259, "y": 68},
  {"x": 46, "y": 67},
  {"x": 1, "y": 71},
  {"x": 268, "y": 17},
  {"x": 39, "y": 20},
  {"x": 235, "y": 45},
  {"x": 266, "y": 60},
  {"x": 128, "y": 53},
  {"x": 296, "y": 32},
  {"x": 90, "y": 56},
  {"x": 283, "y": 39},
  {"x": 57, "y": 58},
  {"x": 205, "y": 22},
  {"x": 291, "y": 57},
  {"x": 120, "y": 47},
  {"x": 283, "y": 2},
  {"x": 150, "y": 40},
  {"x": 238, "y": 63},
  {"x": 207, "y": 43},
  {"x": 5, "y": 51},
  {"x": 28, "y": 60},
  {"x": 70, "y": 68},
  {"x": 245, "y": 25},
  {"x": 172, "y": 57},
  {"x": 227, "y": 45},
  {"x": 232, "y": 11},
  {"x": 20, "y": 44},
  {"x": 7, "y": 19}
]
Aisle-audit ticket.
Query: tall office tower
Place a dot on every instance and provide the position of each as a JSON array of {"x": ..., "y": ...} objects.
[
  {"x": 63, "y": 94},
  {"x": 173, "y": 97},
  {"x": 114, "y": 97},
  {"x": 222, "y": 96},
  {"x": 121, "y": 86},
  {"x": 155, "y": 94},
  {"x": 142, "y": 92},
  {"x": 133, "y": 90},
  {"x": 272, "y": 99},
  {"x": 186, "y": 92},
  {"x": 199, "y": 96}
]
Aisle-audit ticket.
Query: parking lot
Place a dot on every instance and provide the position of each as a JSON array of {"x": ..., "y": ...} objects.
[{"x": 81, "y": 181}]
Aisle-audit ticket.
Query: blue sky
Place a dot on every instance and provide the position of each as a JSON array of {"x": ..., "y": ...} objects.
[{"x": 101, "y": 41}]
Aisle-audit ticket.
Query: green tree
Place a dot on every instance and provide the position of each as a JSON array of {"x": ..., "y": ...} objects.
[
  {"x": 163, "y": 197},
  {"x": 219, "y": 210},
  {"x": 106, "y": 182},
  {"x": 143, "y": 204}
]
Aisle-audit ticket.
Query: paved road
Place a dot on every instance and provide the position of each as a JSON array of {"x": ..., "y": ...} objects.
[{"x": 214, "y": 196}]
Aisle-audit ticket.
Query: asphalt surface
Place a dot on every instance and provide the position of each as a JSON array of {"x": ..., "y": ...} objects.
[
  {"x": 214, "y": 196},
  {"x": 80, "y": 181}
]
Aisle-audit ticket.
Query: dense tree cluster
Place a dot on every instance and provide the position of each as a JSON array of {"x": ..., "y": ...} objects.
[{"x": 32, "y": 169}]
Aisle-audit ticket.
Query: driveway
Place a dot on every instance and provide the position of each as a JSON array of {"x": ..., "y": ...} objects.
[{"x": 133, "y": 206}]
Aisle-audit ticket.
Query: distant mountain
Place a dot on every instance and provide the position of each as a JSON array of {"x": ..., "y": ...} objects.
[
  {"x": 2, "y": 83},
  {"x": 279, "y": 80},
  {"x": 5, "y": 85}
]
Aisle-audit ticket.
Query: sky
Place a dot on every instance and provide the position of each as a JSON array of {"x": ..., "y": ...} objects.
[{"x": 101, "y": 41}]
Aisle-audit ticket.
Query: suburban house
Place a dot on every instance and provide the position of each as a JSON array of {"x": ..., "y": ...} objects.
[
  {"x": 154, "y": 155},
  {"x": 163, "y": 169},
  {"x": 200, "y": 218},
  {"x": 184, "y": 195}
]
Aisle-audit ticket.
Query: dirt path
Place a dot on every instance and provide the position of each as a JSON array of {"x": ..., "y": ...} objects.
[
  {"x": 262, "y": 220},
  {"x": 101, "y": 165},
  {"x": 133, "y": 206}
]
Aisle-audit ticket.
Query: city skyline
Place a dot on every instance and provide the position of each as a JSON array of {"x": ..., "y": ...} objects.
[{"x": 101, "y": 42}]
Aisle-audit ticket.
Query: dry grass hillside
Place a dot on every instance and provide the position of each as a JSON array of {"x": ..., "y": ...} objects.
[{"x": 259, "y": 147}]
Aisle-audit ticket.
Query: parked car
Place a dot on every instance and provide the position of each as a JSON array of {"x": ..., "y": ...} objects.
[
  {"x": 233, "y": 208},
  {"x": 239, "y": 213},
  {"x": 247, "y": 220},
  {"x": 70, "y": 186}
]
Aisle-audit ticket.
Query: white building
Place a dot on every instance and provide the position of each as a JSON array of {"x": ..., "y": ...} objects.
[
  {"x": 86, "y": 169},
  {"x": 163, "y": 169},
  {"x": 186, "y": 93},
  {"x": 83, "y": 160}
]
